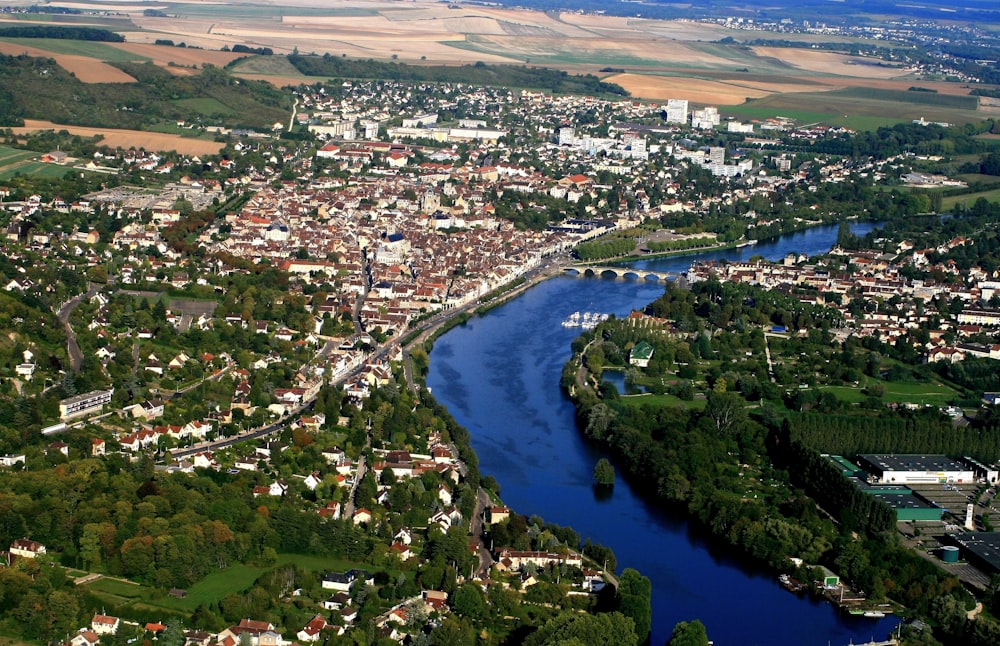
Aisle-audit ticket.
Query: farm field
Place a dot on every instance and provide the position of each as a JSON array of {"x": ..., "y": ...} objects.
[
  {"x": 968, "y": 199},
  {"x": 652, "y": 59},
  {"x": 129, "y": 138},
  {"x": 163, "y": 55},
  {"x": 851, "y": 109},
  {"x": 37, "y": 169},
  {"x": 87, "y": 63},
  {"x": 14, "y": 161},
  {"x": 101, "y": 51},
  {"x": 651, "y": 86}
]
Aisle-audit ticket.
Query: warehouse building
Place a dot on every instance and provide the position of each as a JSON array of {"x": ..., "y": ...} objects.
[
  {"x": 907, "y": 504},
  {"x": 916, "y": 469},
  {"x": 982, "y": 549}
]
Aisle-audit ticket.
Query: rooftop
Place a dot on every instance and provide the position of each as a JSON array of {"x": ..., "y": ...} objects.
[
  {"x": 912, "y": 462},
  {"x": 982, "y": 546}
]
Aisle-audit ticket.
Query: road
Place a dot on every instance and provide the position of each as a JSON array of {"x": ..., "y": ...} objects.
[
  {"x": 72, "y": 347},
  {"x": 478, "y": 538},
  {"x": 549, "y": 267},
  {"x": 360, "y": 473}
]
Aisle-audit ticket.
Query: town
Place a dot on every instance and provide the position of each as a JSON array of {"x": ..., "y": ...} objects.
[{"x": 243, "y": 325}]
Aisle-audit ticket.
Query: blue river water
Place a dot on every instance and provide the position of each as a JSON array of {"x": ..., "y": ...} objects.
[{"x": 498, "y": 374}]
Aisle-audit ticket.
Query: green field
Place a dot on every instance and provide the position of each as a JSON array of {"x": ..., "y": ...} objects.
[
  {"x": 847, "y": 109},
  {"x": 754, "y": 110},
  {"x": 663, "y": 400},
  {"x": 37, "y": 169},
  {"x": 118, "y": 588},
  {"x": 230, "y": 10},
  {"x": 217, "y": 585},
  {"x": 969, "y": 199},
  {"x": 90, "y": 49},
  {"x": 270, "y": 65},
  {"x": 214, "y": 587},
  {"x": 932, "y": 394},
  {"x": 206, "y": 106},
  {"x": 12, "y": 155},
  {"x": 905, "y": 96}
]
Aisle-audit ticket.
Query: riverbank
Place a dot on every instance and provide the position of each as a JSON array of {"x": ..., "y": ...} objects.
[{"x": 499, "y": 375}]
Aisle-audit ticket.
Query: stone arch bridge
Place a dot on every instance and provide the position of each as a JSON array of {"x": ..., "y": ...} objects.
[{"x": 623, "y": 273}]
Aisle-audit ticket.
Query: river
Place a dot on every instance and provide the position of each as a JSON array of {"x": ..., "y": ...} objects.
[{"x": 498, "y": 374}]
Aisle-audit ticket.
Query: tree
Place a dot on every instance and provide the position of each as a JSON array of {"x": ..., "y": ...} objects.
[
  {"x": 727, "y": 410},
  {"x": 573, "y": 628},
  {"x": 689, "y": 633},
  {"x": 454, "y": 631},
  {"x": 469, "y": 601},
  {"x": 604, "y": 473},
  {"x": 635, "y": 593},
  {"x": 172, "y": 635}
]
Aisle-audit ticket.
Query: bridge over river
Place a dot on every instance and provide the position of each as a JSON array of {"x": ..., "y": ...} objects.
[{"x": 587, "y": 271}]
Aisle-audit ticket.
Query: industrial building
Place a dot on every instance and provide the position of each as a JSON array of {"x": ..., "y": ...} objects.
[
  {"x": 907, "y": 504},
  {"x": 916, "y": 469},
  {"x": 982, "y": 549}
]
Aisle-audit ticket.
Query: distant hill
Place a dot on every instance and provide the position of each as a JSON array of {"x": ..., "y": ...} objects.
[{"x": 37, "y": 88}]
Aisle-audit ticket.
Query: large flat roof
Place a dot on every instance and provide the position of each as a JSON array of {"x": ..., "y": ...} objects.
[
  {"x": 984, "y": 546},
  {"x": 913, "y": 462},
  {"x": 903, "y": 501},
  {"x": 867, "y": 487}
]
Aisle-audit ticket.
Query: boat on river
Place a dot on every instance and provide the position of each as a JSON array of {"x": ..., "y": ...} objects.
[
  {"x": 792, "y": 584},
  {"x": 585, "y": 320}
]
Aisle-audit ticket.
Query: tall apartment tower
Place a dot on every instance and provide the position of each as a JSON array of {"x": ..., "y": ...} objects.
[
  {"x": 566, "y": 136},
  {"x": 677, "y": 111}
]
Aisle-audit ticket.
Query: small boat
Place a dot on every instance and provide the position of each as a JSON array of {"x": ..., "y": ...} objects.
[
  {"x": 874, "y": 614},
  {"x": 573, "y": 320},
  {"x": 791, "y": 584}
]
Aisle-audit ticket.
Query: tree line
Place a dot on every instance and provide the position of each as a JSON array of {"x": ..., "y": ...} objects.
[
  {"x": 518, "y": 76},
  {"x": 62, "y": 33}
]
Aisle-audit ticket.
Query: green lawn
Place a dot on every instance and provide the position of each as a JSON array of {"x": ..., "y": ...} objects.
[
  {"x": 118, "y": 588},
  {"x": 91, "y": 49},
  {"x": 213, "y": 587},
  {"x": 663, "y": 400},
  {"x": 934, "y": 394}
]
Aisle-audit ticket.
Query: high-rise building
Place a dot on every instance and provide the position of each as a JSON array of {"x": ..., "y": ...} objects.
[
  {"x": 566, "y": 136},
  {"x": 677, "y": 111}
]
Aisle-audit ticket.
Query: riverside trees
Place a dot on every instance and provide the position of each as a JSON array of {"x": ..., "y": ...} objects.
[{"x": 746, "y": 474}]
